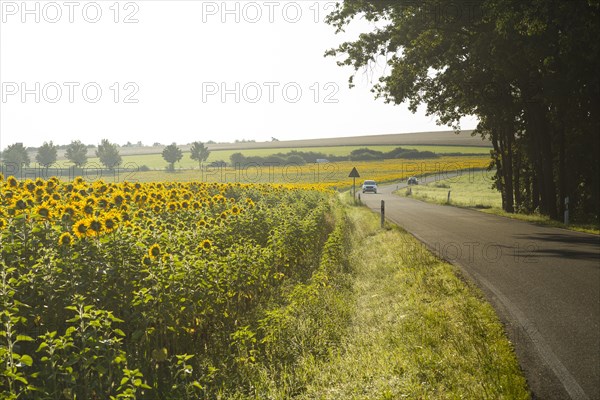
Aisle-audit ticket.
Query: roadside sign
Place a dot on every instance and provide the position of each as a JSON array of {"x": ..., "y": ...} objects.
[{"x": 354, "y": 174}]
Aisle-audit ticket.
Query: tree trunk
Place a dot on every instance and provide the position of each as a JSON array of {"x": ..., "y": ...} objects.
[
  {"x": 517, "y": 179},
  {"x": 508, "y": 168},
  {"x": 542, "y": 151}
]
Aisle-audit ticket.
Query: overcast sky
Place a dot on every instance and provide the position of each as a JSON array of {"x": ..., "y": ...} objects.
[{"x": 180, "y": 71}]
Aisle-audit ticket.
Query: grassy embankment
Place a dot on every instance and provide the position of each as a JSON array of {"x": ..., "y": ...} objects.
[
  {"x": 416, "y": 330},
  {"x": 475, "y": 191}
]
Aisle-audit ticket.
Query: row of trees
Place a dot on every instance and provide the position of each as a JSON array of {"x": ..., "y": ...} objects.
[
  {"x": 107, "y": 152},
  {"x": 526, "y": 69},
  {"x": 76, "y": 152},
  {"x": 173, "y": 154}
]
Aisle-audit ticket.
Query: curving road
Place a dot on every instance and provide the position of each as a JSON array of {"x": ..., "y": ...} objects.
[{"x": 543, "y": 282}]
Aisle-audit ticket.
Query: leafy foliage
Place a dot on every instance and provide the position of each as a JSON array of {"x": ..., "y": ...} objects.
[
  {"x": 47, "y": 154},
  {"x": 520, "y": 67},
  {"x": 172, "y": 154},
  {"x": 108, "y": 153},
  {"x": 77, "y": 153},
  {"x": 16, "y": 154},
  {"x": 199, "y": 152},
  {"x": 154, "y": 290}
]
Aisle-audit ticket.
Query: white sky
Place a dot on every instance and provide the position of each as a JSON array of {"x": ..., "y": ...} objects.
[{"x": 176, "y": 54}]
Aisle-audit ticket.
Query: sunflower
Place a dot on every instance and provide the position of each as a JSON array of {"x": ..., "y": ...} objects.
[
  {"x": 118, "y": 198},
  {"x": 205, "y": 245},
  {"x": 110, "y": 223},
  {"x": 12, "y": 181},
  {"x": 154, "y": 251},
  {"x": 88, "y": 209},
  {"x": 3, "y": 223},
  {"x": 235, "y": 210},
  {"x": 20, "y": 204},
  {"x": 65, "y": 239},
  {"x": 80, "y": 228},
  {"x": 102, "y": 203},
  {"x": 43, "y": 211},
  {"x": 95, "y": 226},
  {"x": 146, "y": 260}
]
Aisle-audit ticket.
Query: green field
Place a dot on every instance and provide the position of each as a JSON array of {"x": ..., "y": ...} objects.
[
  {"x": 475, "y": 191},
  {"x": 155, "y": 161},
  {"x": 469, "y": 190}
]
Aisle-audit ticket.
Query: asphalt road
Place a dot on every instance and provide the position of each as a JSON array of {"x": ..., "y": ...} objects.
[{"x": 543, "y": 282}]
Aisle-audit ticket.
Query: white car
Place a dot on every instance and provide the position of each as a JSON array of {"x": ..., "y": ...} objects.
[{"x": 369, "y": 186}]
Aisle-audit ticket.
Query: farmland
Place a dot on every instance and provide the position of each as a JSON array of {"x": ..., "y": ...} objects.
[
  {"x": 211, "y": 290},
  {"x": 155, "y": 161},
  {"x": 331, "y": 175},
  {"x": 120, "y": 289}
]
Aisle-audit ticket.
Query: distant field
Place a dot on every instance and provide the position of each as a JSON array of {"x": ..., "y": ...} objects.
[
  {"x": 155, "y": 161},
  {"x": 409, "y": 140},
  {"x": 331, "y": 175}
]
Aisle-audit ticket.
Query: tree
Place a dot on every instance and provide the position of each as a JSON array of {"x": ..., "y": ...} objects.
[
  {"x": 77, "y": 153},
  {"x": 108, "y": 153},
  {"x": 237, "y": 159},
  {"x": 518, "y": 66},
  {"x": 47, "y": 154},
  {"x": 16, "y": 155},
  {"x": 172, "y": 154},
  {"x": 199, "y": 152}
]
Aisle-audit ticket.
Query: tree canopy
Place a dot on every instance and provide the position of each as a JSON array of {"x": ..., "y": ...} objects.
[
  {"x": 199, "y": 152},
  {"x": 17, "y": 155},
  {"x": 527, "y": 70},
  {"x": 77, "y": 153},
  {"x": 47, "y": 154},
  {"x": 108, "y": 153},
  {"x": 172, "y": 154}
]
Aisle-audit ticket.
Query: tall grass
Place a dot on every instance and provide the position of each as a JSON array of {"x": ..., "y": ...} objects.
[{"x": 417, "y": 330}]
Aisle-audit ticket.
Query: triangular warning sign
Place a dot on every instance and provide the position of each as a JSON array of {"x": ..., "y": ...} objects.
[{"x": 354, "y": 173}]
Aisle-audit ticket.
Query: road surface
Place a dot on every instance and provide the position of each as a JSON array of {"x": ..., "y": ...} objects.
[{"x": 543, "y": 282}]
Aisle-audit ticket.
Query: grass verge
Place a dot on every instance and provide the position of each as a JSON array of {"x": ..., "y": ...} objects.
[
  {"x": 475, "y": 191},
  {"x": 414, "y": 329}
]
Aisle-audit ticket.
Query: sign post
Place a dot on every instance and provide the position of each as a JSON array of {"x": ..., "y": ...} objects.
[{"x": 354, "y": 174}]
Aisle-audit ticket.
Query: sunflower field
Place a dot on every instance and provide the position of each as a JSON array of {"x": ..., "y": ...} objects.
[{"x": 161, "y": 290}]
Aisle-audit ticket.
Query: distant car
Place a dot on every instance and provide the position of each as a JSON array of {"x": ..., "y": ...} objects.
[
  {"x": 413, "y": 181},
  {"x": 369, "y": 186}
]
